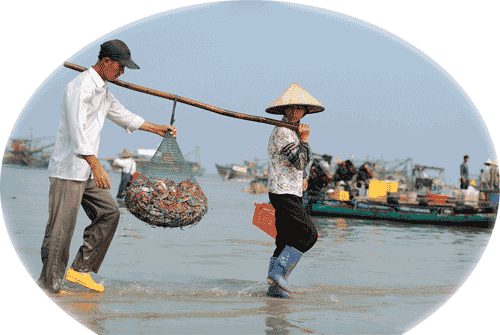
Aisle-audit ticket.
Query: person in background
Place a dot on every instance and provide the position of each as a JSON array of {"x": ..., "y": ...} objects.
[
  {"x": 128, "y": 166},
  {"x": 435, "y": 186},
  {"x": 464, "y": 175},
  {"x": 289, "y": 154},
  {"x": 493, "y": 176},
  {"x": 76, "y": 176},
  {"x": 486, "y": 174},
  {"x": 480, "y": 180}
]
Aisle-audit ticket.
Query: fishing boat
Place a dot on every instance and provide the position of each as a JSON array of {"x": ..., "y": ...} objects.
[
  {"x": 258, "y": 185},
  {"x": 417, "y": 214},
  {"x": 196, "y": 168},
  {"x": 234, "y": 172},
  {"x": 242, "y": 172},
  {"x": 29, "y": 152},
  {"x": 193, "y": 160},
  {"x": 418, "y": 200}
]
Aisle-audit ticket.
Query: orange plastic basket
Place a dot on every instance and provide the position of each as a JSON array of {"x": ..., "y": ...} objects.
[
  {"x": 264, "y": 219},
  {"x": 136, "y": 174},
  {"x": 436, "y": 198}
]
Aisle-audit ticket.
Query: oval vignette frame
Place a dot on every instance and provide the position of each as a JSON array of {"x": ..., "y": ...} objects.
[{"x": 33, "y": 290}]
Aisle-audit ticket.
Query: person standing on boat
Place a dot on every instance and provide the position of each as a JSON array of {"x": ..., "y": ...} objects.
[
  {"x": 289, "y": 153},
  {"x": 480, "y": 180},
  {"x": 76, "y": 176},
  {"x": 464, "y": 175},
  {"x": 493, "y": 176},
  {"x": 128, "y": 166}
]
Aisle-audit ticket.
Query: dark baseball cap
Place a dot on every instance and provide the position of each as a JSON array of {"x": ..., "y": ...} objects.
[{"x": 118, "y": 51}]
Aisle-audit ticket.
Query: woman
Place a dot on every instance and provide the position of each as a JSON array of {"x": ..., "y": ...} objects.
[{"x": 289, "y": 153}]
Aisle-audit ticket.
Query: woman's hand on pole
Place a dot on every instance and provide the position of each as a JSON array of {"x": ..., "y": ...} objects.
[
  {"x": 303, "y": 132},
  {"x": 304, "y": 184}
]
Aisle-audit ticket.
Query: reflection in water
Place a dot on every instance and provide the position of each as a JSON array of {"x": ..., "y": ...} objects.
[
  {"x": 276, "y": 322},
  {"x": 338, "y": 227},
  {"x": 341, "y": 223},
  {"x": 83, "y": 306},
  {"x": 341, "y": 228}
]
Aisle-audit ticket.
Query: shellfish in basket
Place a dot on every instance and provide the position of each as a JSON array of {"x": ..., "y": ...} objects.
[{"x": 164, "y": 203}]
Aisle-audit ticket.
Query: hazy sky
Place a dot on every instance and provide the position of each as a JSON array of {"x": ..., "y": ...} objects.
[{"x": 383, "y": 97}]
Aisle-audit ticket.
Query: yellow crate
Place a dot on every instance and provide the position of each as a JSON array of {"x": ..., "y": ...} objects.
[
  {"x": 341, "y": 196},
  {"x": 392, "y": 186},
  {"x": 377, "y": 189}
]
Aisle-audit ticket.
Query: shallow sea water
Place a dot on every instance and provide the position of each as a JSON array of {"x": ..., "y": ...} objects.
[{"x": 361, "y": 277}]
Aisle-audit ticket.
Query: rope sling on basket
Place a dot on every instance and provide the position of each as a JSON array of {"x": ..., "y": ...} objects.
[{"x": 166, "y": 193}]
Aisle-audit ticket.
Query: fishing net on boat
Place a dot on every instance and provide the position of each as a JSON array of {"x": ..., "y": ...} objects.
[{"x": 166, "y": 193}]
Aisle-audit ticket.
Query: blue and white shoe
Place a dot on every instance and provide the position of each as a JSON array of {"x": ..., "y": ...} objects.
[
  {"x": 281, "y": 267},
  {"x": 273, "y": 290}
]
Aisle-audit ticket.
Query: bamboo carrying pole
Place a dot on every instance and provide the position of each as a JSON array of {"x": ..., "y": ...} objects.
[{"x": 192, "y": 102}]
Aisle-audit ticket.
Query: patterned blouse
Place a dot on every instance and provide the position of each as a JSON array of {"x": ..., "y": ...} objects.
[{"x": 288, "y": 157}]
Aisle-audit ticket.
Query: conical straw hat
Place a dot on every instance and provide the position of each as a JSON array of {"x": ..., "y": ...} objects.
[
  {"x": 126, "y": 153},
  {"x": 295, "y": 95}
]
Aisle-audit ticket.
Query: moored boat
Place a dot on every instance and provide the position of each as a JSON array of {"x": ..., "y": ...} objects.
[
  {"x": 234, "y": 172},
  {"x": 245, "y": 172},
  {"x": 483, "y": 216},
  {"x": 29, "y": 152},
  {"x": 258, "y": 185},
  {"x": 410, "y": 199}
]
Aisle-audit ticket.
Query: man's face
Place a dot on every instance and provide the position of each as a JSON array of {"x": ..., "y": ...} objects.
[
  {"x": 112, "y": 69},
  {"x": 295, "y": 113}
]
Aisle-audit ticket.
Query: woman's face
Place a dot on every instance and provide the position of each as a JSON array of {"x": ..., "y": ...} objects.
[{"x": 295, "y": 113}]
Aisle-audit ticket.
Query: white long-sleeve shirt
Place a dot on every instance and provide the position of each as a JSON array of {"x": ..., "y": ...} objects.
[
  {"x": 128, "y": 165},
  {"x": 86, "y": 103}
]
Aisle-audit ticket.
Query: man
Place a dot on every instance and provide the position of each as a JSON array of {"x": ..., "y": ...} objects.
[
  {"x": 289, "y": 153},
  {"x": 76, "y": 176},
  {"x": 464, "y": 174},
  {"x": 128, "y": 166}
]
